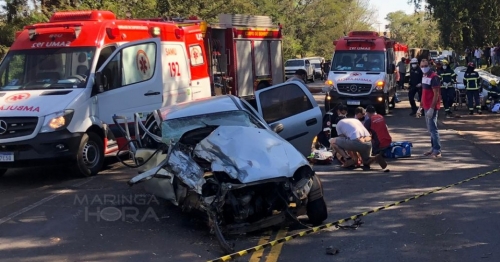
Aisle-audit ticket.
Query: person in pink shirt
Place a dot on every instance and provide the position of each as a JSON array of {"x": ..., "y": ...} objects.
[{"x": 431, "y": 103}]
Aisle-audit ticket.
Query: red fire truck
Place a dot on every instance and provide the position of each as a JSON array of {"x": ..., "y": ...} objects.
[{"x": 244, "y": 53}]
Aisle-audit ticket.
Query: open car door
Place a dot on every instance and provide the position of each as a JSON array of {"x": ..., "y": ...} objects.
[
  {"x": 292, "y": 105},
  {"x": 131, "y": 80}
]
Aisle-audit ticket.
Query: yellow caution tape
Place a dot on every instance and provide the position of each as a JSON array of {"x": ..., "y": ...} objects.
[{"x": 338, "y": 222}]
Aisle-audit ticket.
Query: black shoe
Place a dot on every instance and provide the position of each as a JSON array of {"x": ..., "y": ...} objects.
[
  {"x": 479, "y": 112},
  {"x": 471, "y": 112}
]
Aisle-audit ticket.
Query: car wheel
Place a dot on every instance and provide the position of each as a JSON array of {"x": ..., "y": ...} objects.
[
  {"x": 2, "y": 172},
  {"x": 393, "y": 102},
  {"x": 90, "y": 156},
  {"x": 313, "y": 78},
  {"x": 316, "y": 208},
  {"x": 317, "y": 211}
]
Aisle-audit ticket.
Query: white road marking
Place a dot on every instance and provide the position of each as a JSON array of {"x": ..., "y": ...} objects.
[{"x": 41, "y": 202}]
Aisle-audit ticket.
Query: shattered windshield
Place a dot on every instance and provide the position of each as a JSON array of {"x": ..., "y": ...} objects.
[
  {"x": 46, "y": 69},
  {"x": 175, "y": 128},
  {"x": 358, "y": 61}
]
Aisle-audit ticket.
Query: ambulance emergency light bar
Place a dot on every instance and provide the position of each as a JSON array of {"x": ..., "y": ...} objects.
[{"x": 32, "y": 29}]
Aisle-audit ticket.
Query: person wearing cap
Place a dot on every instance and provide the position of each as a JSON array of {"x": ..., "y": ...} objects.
[
  {"x": 415, "y": 85},
  {"x": 375, "y": 123},
  {"x": 353, "y": 136},
  {"x": 300, "y": 75},
  {"x": 448, "y": 77},
  {"x": 472, "y": 83}
]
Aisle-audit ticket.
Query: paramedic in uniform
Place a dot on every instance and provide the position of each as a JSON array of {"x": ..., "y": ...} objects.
[
  {"x": 448, "y": 77},
  {"x": 472, "y": 83},
  {"x": 415, "y": 85},
  {"x": 330, "y": 121},
  {"x": 353, "y": 136}
]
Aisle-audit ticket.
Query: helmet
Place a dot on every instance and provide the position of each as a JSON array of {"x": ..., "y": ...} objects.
[
  {"x": 414, "y": 60},
  {"x": 471, "y": 64},
  {"x": 445, "y": 62},
  {"x": 493, "y": 82}
]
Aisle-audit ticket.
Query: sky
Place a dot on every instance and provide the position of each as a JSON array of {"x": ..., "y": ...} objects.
[{"x": 387, "y": 6}]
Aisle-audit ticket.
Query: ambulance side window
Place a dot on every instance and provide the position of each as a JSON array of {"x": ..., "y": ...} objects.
[
  {"x": 134, "y": 64},
  {"x": 112, "y": 73},
  {"x": 138, "y": 63}
]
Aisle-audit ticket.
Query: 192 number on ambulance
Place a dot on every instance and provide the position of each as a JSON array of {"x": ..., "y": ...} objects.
[{"x": 174, "y": 69}]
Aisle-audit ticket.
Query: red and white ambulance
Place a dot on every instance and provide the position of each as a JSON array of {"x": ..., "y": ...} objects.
[
  {"x": 62, "y": 81},
  {"x": 363, "y": 71}
]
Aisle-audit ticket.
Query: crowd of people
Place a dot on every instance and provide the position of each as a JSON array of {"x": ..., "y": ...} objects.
[{"x": 489, "y": 55}]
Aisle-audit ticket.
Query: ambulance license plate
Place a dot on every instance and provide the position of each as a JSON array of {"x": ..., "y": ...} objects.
[
  {"x": 353, "y": 102},
  {"x": 6, "y": 157}
]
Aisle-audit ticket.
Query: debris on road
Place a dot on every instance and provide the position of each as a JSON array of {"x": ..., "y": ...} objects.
[{"x": 332, "y": 251}]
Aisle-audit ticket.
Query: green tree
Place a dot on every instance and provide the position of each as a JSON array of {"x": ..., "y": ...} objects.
[
  {"x": 465, "y": 23},
  {"x": 415, "y": 30}
]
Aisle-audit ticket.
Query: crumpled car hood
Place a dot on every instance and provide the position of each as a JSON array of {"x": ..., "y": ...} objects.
[{"x": 249, "y": 154}]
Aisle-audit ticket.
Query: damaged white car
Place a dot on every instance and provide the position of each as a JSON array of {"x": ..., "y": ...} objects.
[{"x": 232, "y": 160}]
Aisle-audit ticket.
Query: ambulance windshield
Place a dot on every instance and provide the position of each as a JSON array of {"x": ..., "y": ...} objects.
[
  {"x": 359, "y": 60},
  {"x": 56, "y": 68}
]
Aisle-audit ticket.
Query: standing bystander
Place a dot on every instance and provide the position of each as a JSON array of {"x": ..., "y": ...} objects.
[
  {"x": 431, "y": 103},
  {"x": 402, "y": 72}
]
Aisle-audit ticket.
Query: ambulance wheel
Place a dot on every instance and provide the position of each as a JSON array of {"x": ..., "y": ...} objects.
[
  {"x": 384, "y": 109},
  {"x": 2, "y": 172},
  {"x": 90, "y": 156},
  {"x": 393, "y": 102}
]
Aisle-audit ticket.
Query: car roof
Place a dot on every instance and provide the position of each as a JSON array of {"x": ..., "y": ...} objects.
[{"x": 209, "y": 105}]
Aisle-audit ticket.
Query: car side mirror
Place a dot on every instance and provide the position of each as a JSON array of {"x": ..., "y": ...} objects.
[{"x": 277, "y": 127}]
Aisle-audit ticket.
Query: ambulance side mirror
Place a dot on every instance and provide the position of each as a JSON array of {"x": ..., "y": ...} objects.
[
  {"x": 100, "y": 82},
  {"x": 391, "y": 68},
  {"x": 97, "y": 80}
]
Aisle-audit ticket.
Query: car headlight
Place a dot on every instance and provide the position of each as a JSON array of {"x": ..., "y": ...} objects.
[{"x": 57, "y": 121}]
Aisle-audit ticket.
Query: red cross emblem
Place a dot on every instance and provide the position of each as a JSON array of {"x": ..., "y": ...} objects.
[
  {"x": 17, "y": 97},
  {"x": 142, "y": 62},
  {"x": 143, "y": 65}
]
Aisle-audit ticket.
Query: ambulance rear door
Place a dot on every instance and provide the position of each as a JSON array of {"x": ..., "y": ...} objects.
[{"x": 130, "y": 80}]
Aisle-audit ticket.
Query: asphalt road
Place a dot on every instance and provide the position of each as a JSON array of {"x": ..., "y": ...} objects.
[{"x": 46, "y": 216}]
